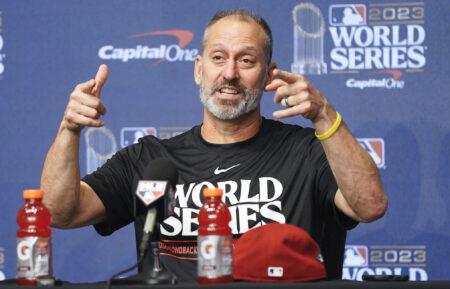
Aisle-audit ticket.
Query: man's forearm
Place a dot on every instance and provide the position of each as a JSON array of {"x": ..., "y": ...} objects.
[
  {"x": 356, "y": 174},
  {"x": 60, "y": 178}
]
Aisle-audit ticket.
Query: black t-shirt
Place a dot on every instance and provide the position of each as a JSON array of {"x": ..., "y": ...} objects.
[{"x": 279, "y": 175}]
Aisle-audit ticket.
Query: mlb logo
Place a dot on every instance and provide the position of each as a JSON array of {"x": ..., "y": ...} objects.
[
  {"x": 275, "y": 272},
  {"x": 347, "y": 14},
  {"x": 131, "y": 135},
  {"x": 150, "y": 191},
  {"x": 356, "y": 256},
  {"x": 375, "y": 148}
]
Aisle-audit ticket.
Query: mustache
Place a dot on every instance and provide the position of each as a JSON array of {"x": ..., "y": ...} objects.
[{"x": 232, "y": 83}]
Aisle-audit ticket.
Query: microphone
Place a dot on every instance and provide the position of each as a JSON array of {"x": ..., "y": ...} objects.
[{"x": 156, "y": 189}]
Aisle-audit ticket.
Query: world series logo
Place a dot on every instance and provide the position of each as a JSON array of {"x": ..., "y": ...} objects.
[
  {"x": 385, "y": 260},
  {"x": 374, "y": 44}
]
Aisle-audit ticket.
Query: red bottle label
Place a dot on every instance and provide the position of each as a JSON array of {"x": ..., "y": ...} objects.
[
  {"x": 33, "y": 257},
  {"x": 215, "y": 256}
]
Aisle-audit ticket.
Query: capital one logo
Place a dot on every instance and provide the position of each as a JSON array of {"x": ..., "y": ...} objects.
[{"x": 165, "y": 51}]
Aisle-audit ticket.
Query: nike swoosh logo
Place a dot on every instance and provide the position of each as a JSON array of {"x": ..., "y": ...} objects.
[{"x": 219, "y": 171}]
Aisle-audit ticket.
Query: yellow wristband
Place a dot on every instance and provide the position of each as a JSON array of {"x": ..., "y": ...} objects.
[{"x": 332, "y": 130}]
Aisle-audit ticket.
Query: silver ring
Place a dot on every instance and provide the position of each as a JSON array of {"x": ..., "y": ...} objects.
[{"x": 286, "y": 101}]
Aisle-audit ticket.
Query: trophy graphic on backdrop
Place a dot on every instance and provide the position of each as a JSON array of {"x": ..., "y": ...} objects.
[
  {"x": 309, "y": 29},
  {"x": 100, "y": 146}
]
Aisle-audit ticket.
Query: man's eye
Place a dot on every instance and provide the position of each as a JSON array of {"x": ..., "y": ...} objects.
[
  {"x": 217, "y": 57},
  {"x": 247, "y": 61}
]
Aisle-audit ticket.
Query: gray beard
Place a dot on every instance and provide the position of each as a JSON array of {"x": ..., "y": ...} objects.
[{"x": 230, "y": 109}]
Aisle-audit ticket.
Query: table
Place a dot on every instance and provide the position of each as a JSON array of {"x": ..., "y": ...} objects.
[{"x": 335, "y": 284}]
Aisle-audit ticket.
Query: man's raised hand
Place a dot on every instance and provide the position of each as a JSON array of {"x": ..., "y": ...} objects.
[
  {"x": 302, "y": 97},
  {"x": 85, "y": 107}
]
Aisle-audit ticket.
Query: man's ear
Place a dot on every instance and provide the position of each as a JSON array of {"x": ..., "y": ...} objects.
[
  {"x": 270, "y": 77},
  {"x": 198, "y": 69}
]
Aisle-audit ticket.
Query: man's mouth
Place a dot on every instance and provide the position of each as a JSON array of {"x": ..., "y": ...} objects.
[{"x": 229, "y": 91}]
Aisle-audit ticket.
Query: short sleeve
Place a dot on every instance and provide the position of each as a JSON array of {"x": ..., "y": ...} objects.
[{"x": 112, "y": 183}]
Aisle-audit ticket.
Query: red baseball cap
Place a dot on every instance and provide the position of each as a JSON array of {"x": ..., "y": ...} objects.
[{"x": 277, "y": 253}]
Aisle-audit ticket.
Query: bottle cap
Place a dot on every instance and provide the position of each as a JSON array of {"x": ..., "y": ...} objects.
[
  {"x": 33, "y": 194},
  {"x": 216, "y": 192}
]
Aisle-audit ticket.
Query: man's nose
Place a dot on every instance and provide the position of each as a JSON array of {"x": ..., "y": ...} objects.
[{"x": 230, "y": 71}]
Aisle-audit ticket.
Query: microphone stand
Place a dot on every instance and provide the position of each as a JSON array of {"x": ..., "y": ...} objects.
[
  {"x": 159, "y": 177},
  {"x": 157, "y": 275}
]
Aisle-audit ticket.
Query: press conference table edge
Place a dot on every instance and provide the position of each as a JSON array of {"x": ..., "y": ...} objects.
[{"x": 335, "y": 284}]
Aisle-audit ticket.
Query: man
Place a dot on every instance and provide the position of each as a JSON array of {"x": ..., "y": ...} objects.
[{"x": 269, "y": 171}]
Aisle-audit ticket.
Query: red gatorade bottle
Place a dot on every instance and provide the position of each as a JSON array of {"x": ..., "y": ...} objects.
[
  {"x": 215, "y": 246},
  {"x": 33, "y": 245}
]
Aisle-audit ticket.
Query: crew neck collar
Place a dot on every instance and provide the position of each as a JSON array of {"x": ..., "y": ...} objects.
[{"x": 240, "y": 144}]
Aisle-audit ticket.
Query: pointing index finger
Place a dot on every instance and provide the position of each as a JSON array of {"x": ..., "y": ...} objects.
[{"x": 287, "y": 76}]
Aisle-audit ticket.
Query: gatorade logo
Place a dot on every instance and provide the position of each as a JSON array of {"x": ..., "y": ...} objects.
[
  {"x": 24, "y": 250},
  {"x": 42, "y": 243},
  {"x": 207, "y": 249},
  {"x": 227, "y": 247}
]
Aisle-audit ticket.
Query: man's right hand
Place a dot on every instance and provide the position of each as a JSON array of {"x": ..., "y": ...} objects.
[{"x": 85, "y": 107}]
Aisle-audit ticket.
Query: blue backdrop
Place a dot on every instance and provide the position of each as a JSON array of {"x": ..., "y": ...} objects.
[{"x": 386, "y": 73}]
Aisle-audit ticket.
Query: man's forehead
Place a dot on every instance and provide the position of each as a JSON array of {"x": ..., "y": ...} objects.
[
  {"x": 227, "y": 20},
  {"x": 250, "y": 29}
]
